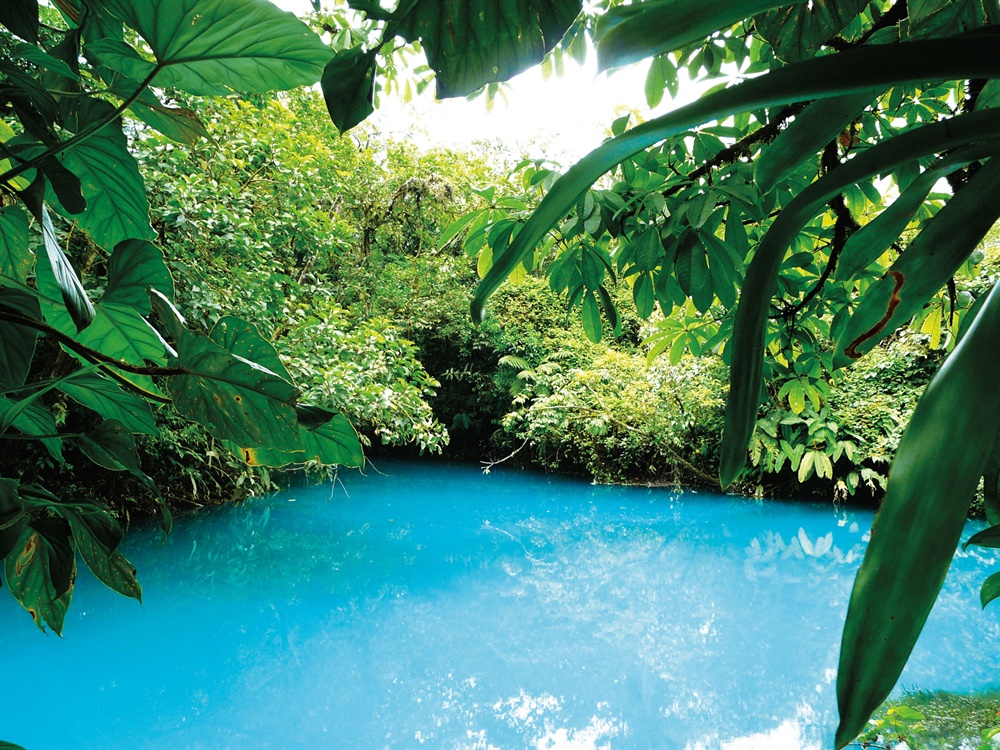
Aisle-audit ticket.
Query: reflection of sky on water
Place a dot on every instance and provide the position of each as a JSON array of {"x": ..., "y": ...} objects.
[{"x": 436, "y": 607}]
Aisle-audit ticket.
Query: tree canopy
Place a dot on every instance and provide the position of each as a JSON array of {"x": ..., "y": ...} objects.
[{"x": 755, "y": 222}]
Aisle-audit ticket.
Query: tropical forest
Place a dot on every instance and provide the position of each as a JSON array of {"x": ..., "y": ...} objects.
[{"x": 321, "y": 429}]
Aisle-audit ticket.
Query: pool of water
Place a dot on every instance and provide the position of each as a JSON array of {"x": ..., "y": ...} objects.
[{"x": 433, "y": 606}]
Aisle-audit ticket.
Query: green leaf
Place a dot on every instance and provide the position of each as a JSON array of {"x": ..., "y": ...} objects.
[
  {"x": 986, "y": 538},
  {"x": 867, "y": 244},
  {"x": 21, "y": 17},
  {"x": 236, "y": 399},
  {"x": 134, "y": 267},
  {"x": 96, "y": 536},
  {"x": 242, "y": 338},
  {"x": 181, "y": 124},
  {"x": 42, "y": 59},
  {"x": 12, "y": 516},
  {"x": 628, "y": 33},
  {"x": 925, "y": 266},
  {"x": 470, "y": 43},
  {"x": 117, "y": 208},
  {"x": 990, "y": 590},
  {"x": 591, "y": 317},
  {"x": 32, "y": 419},
  {"x": 932, "y": 481},
  {"x": 642, "y": 294},
  {"x": 18, "y": 341},
  {"x": 70, "y": 290},
  {"x": 970, "y": 55},
  {"x": 812, "y": 129},
  {"x": 40, "y": 571},
  {"x": 112, "y": 446},
  {"x": 349, "y": 87},
  {"x": 15, "y": 256},
  {"x": 750, "y": 323},
  {"x": 213, "y": 47},
  {"x": 797, "y": 33},
  {"x": 335, "y": 442},
  {"x": 108, "y": 399}
]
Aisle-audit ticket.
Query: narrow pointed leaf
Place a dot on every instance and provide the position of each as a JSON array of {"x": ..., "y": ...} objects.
[
  {"x": 629, "y": 33},
  {"x": 986, "y": 538},
  {"x": 30, "y": 418},
  {"x": 970, "y": 55},
  {"x": 812, "y": 129},
  {"x": 932, "y": 481},
  {"x": 990, "y": 590},
  {"x": 213, "y": 47},
  {"x": 75, "y": 299}
]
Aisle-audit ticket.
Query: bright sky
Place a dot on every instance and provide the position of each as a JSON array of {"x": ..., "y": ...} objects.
[{"x": 561, "y": 119}]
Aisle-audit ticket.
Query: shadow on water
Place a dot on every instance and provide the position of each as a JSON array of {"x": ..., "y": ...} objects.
[{"x": 436, "y": 606}]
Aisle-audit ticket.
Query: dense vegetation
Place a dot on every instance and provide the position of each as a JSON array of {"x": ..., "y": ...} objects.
[{"x": 744, "y": 239}]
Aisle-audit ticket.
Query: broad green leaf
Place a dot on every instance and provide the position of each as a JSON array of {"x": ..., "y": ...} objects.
[
  {"x": 242, "y": 338},
  {"x": 925, "y": 266},
  {"x": 12, "y": 516},
  {"x": 991, "y": 483},
  {"x": 40, "y": 571},
  {"x": 812, "y": 129},
  {"x": 236, "y": 399},
  {"x": 134, "y": 267},
  {"x": 21, "y": 17},
  {"x": 943, "y": 17},
  {"x": 750, "y": 323},
  {"x": 96, "y": 536},
  {"x": 70, "y": 290},
  {"x": 335, "y": 442},
  {"x": 181, "y": 124},
  {"x": 112, "y": 446},
  {"x": 932, "y": 481},
  {"x": 990, "y": 590},
  {"x": 120, "y": 332},
  {"x": 107, "y": 398},
  {"x": 42, "y": 59},
  {"x": 642, "y": 294},
  {"x": 349, "y": 87},
  {"x": 18, "y": 341},
  {"x": 990, "y": 95},
  {"x": 629, "y": 33},
  {"x": 213, "y": 47},
  {"x": 970, "y": 55},
  {"x": 470, "y": 43},
  {"x": 15, "y": 256},
  {"x": 117, "y": 208},
  {"x": 797, "y": 33},
  {"x": 31, "y": 418}
]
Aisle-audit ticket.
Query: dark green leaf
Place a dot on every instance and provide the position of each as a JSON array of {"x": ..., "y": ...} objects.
[
  {"x": 335, "y": 442},
  {"x": 135, "y": 266},
  {"x": 21, "y": 17},
  {"x": 470, "y": 43},
  {"x": 242, "y": 338},
  {"x": 178, "y": 123},
  {"x": 15, "y": 257},
  {"x": 117, "y": 208},
  {"x": 112, "y": 446},
  {"x": 642, "y": 294},
  {"x": 349, "y": 87},
  {"x": 71, "y": 291},
  {"x": 797, "y": 33},
  {"x": 108, "y": 399},
  {"x": 629, "y": 33},
  {"x": 990, "y": 590},
  {"x": 31, "y": 418},
  {"x": 12, "y": 517},
  {"x": 96, "y": 536},
  {"x": 933, "y": 480},
  {"x": 42, "y": 59},
  {"x": 236, "y": 399},
  {"x": 212, "y": 47},
  {"x": 591, "y": 317},
  {"x": 40, "y": 571},
  {"x": 18, "y": 341},
  {"x": 986, "y": 538},
  {"x": 970, "y": 55}
]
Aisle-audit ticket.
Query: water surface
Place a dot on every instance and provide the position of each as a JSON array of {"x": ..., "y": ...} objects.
[{"x": 431, "y": 605}]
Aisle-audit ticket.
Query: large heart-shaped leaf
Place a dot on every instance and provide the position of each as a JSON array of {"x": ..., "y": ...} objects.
[
  {"x": 15, "y": 257},
  {"x": 108, "y": 399},
  {"x": 135, "y": 266},
  {"x": 112, "y": 446},
  {"x": 932, "y": 482},
  {"x": 117, "y": 208},
  {"x": 349, "y": 87},
  {"x": 470, "y": 43},
  {"x": 236, "y": 399},
  {"x": 40, "y": 571},
  {"x": 212, "y": 47},
  {"x": 243, "y": 339},
  {"x": 96, "y": 536}
]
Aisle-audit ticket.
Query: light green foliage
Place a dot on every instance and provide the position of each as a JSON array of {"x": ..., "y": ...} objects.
[{"x": 935, "y": 721}]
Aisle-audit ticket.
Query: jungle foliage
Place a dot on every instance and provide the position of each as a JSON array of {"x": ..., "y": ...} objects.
[{"x": 750, "y": 225}]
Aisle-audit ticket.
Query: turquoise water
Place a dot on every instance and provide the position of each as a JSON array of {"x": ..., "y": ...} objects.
[{"x": 434, "y": 606}]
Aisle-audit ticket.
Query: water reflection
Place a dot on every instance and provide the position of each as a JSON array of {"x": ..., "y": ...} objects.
[{"x": 438, "y": 607}]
